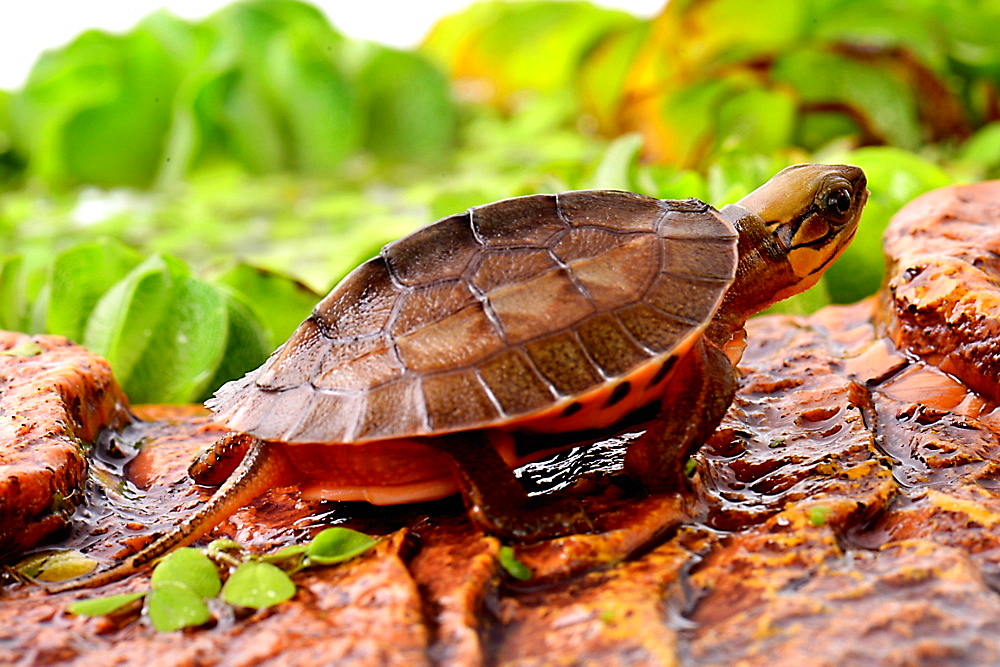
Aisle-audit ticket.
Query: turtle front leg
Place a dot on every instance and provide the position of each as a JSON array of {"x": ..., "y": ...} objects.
[
  {"x": 495, "y": 499},
  {"x": 702, "y": 389}
]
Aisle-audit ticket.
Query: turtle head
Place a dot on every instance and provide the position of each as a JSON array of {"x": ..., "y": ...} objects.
[
  {"x": 812, "y": 211},
  {"x": 796, "y": 224}
]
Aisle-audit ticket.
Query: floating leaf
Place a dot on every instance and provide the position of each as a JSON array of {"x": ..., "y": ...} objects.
[
  {"x": 56, "y": 565},
  {"x": 291, "y": 552},
  {"x": 258, "y": 585},
  {"x": 224, "y": 544},
  {"x": 172, "y": 606},
  {"x": 514, "y": 567},
  {"x": 337, "y": 544},
  {"x": 104, "y": 606},
  {"x": 191, "y": 568},
  {"x": 126, "y": 317},
  {"x": 501, "y": 44},
  {"x": 246, "y": 344}
]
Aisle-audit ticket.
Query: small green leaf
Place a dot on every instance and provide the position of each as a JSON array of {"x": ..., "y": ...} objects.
[
  {"x": 337, "y": 544},
  {"x": 690, "y": 466},
  {"x": 172, "y": 606},
  {"x": 286, "y": 553},
  {"x": 26, "y": 349},
  {"x": 817, "y": 515},
  {"x": 191, "y": 568},
  {"x": 224, "y": 544},
  {"x": 56, "y": 565},
  {"x": 258, "y": 585},
  {"x": 512, "y": 565},
  {"x": 104, "y": 606}
]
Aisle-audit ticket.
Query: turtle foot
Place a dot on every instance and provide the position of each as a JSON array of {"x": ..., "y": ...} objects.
[{"x": 536, "y": 520}]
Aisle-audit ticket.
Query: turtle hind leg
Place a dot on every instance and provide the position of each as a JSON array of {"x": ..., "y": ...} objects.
[
  {"x": 495, "y": 499},
  {"x": 701, "y": 390},
  {"x": 262, "y": 468}
]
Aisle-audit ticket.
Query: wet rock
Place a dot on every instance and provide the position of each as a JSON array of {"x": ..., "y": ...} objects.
[
  {"x": 55, "y": 397},
  {"x": 943, "y": 296}
]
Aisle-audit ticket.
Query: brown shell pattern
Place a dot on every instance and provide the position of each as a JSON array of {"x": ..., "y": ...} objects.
[{"x": 491, "y": 316}]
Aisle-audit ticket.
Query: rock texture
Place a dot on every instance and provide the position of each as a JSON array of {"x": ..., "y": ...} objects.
[
  {"x": 847, "y": 512},
  {"x": 54, "y": 399}
]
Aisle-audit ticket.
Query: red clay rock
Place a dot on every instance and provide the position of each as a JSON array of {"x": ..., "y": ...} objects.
[{"x": 55, "y": 397}]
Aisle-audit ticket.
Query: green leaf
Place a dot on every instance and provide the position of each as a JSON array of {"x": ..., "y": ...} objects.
[
  {"x": 279, "y": 303},
  {"x": 185, "y": 348},
  {"x": 28, "y": 348},
  {"x": 80, "y": 276},
  {"x": 817, "y": 515},
  {"x": 292, "y": 551},
  {"x": 870, "y": 92},
  {"x": 96, "y": 110},
  {"x": 22, "y": 291},
  {"x": 514, "y": 567},
  {"x": 172, "y": 606},
  {"x": 617, "y": 167},
  {"x": 518, "y": 46},
  {"x": 104, "y": 606},
  {"x": 257, "y": 585},
  {"x": 337, "y": 544},
  {"x": 191, "y": 568},
  {"x": 56, "y": 565},
  {"x": 408, "y": 107},
  {"x": 125, "y": 319},
  {"x": 13, "y": 295},
  {"x": 317, "y": 104},
  {"x": 224, "y": 544}
]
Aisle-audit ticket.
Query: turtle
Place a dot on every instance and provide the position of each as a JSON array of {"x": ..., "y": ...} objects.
[{"x": 418, "y": 374}]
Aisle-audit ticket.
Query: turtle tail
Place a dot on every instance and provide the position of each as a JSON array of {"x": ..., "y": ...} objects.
[{"x": 261, "y": 469}]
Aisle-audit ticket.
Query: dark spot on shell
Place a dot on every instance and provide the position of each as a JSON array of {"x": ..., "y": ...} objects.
[
  {"x": 662, "y": 373},
  {"x": 620, "y": 392},
  {"x": 572, "y": 409}
]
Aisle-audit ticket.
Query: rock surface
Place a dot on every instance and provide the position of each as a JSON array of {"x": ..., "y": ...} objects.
[
  {"x": 846, "y": 512},
  {"x": 54, "y": 399}
]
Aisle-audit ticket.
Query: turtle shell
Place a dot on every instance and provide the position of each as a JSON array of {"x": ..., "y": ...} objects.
[{"x": 501, "y": 316}]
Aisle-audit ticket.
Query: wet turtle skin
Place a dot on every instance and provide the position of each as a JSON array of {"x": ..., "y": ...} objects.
[{"x": 548, "y": 313}]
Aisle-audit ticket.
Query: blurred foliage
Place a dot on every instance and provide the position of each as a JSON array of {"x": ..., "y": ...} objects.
[
  {"x": 177, "y": 197},
  {"x": 268, "y": 84},
  {"x": 712, "y": 77}
]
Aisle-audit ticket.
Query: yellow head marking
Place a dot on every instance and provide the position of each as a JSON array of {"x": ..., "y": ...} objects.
[{"x": 812, "y": 210}]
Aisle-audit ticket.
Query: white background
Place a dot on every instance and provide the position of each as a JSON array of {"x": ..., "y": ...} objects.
[{"x": 28, "y": 27}]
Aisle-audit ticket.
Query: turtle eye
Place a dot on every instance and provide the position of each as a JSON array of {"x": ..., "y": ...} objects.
[{"x": 838, "y": 202}]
